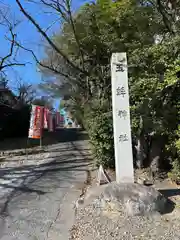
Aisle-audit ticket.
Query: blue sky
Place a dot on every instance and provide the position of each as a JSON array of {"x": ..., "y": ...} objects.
[{"x": 31, "y": 39}]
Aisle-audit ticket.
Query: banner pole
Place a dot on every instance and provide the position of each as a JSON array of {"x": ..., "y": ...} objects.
[
  {"x": 41, "y": 142},
  {"x": 27, "y": 146},
  {"x": 42, "y": 126}
]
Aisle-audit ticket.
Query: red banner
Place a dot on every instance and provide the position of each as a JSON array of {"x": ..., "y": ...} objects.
[
  {"x": 36, "y": 122},
  {"x": 58, "y": 118},
  {"x": 50, "y": 122},
  {"x": 46, "y": 112}
]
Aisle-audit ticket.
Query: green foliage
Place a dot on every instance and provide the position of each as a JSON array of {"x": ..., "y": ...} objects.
[
  {"x": 101, "y": 137},
  {"x": 174, "y": 174},
  {"x": 99, "y": 125}
]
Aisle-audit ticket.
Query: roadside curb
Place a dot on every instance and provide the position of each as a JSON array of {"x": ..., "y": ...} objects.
[{"x": 22, "y": 152}]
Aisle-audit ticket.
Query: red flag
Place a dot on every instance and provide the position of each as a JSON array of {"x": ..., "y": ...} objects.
[
  {"x": 58, "y": 117},
  {"x": 50, "y": 122},
  {"x": 46, "y": 112},
  {"x": 36, "y": 122}
]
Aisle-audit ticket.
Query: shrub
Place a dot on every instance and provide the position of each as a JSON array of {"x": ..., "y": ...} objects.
[
  {"x": 99, "y": 125},
  {"x": 174, "y": 174}
]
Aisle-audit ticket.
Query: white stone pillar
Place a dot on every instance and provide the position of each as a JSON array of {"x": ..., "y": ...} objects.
[{"x": 121, "y": 119}]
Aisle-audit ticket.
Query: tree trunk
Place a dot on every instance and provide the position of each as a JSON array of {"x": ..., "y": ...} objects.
[
  {"x": 155, "y": 154},
  {"x": 140, "y": 152}
]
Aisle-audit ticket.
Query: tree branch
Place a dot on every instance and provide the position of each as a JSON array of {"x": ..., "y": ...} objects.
[
  {"x": 43, "y": 33},
  {"x": 74, "y": 31},
  {"x": 11, "y": 65},
  {"x": 11, "y": 50},
  {"x": 66, "y": 13},
  {"x": 3, "y": 63},
  {"x": 166, "y": 21},
  {"x": 52, "y": 69}
]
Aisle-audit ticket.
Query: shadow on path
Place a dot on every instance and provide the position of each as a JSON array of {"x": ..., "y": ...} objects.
[
  {"x": 49, "y": 138},
  {"x": 170, "y": 192},
  {"x": 44, "y": 178}
]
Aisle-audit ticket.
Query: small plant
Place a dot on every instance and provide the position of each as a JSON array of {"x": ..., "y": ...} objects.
[{"x": 174, "y": 175}]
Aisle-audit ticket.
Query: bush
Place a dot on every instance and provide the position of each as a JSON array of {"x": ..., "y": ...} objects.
[
  {"x": 174, "y": 174},
  {"x": 99, "y": 125}
]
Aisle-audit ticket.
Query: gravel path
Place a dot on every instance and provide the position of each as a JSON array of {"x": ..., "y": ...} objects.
[{"x": 107, "y": 226}]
